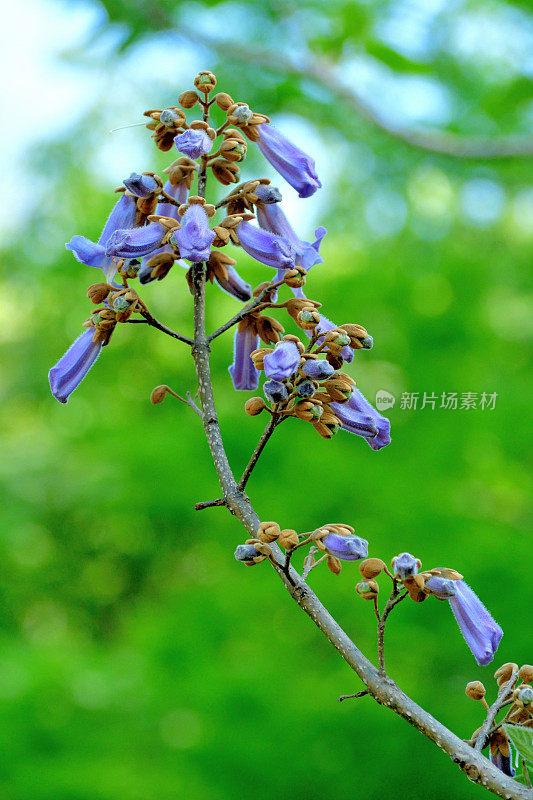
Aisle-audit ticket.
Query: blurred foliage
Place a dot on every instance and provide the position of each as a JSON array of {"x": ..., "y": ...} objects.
[{"x": 138, "y": 660}]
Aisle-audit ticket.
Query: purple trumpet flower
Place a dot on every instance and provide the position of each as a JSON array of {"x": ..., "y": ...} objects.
[
  {"x": 282, "y": 361},
  {"x": 93, "y": 254},
  {"x": 293, "y": 164},
  {"x": 481, "y": 632},
  {"x": 193, "y": 143},
  {"x": 405, "y": 566},
  {"x": 135, "y": 243},
  {"x": 347, "y": 548},
  {"x": 195, "y": 237},
  {"x": 141, "y": 185},
  {"x": 271, "y": 218},
  {"x": 180, "y": 193},
  {"x": 72, "y": 368},
  {"x": 266, "y": 247},
  {"x": 360, "y": 417},
  {"x": 244, "y": 374}
]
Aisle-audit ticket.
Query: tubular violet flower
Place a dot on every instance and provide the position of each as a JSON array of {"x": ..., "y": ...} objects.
[
  {"x": 234, "y": 285},
  {"x": 282, "y": 361},
  {"x": 179, "y": 193},
  {"x": 271, "y": 218},
  {"x": 360, "y": 417},
  {"x": 72, "y": 368},
  {"x": 194, "y": 238},
  {"x": 293, "y": 164},
  {"x": 193, "y": 143},
  {"x": 268, "y": 248},
  {"x": 347, "y": 548},
  {"x": 481, "y": 632},
  {"x": 93, "y": 254},
  {"x": 244, "y": 374}
]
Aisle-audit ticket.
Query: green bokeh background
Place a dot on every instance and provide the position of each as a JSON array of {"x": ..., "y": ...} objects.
[{"x": 138, "y": 660}]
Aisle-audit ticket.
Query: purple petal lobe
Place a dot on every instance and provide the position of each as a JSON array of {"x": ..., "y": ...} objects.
[
  {"x": 122, "y": 216},
  {"x": 443, "y": 588},
  {"x": 193, "y": 143},
  {"x": 235, "y": 285},
  {"x": 271, "y": 218},
  {"x": 481, "y": 632},
  {"x": 282, "y": 361},
  {"x": 293, "y": 164},
  {"x": 86, "y": 252},
  {"x": 274, "y": 251},
  {"x": 71, "y": 368},
  {"x": 243, "y": 371},
  {"x": 195, "y": 237},
  {"x": 135, "y": 243}
]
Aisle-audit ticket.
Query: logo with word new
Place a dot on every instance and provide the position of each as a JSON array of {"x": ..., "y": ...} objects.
[{"x": 384, "y": 399}]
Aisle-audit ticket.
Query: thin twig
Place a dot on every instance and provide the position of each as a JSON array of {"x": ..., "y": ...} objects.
[
  {"x": 357, "y": 694},
  {"x": 265, "y": 436},
  {"x": 209, "y": 504},
  {"x": 503, "y": 694},
  {"x": 252, "y": 306},
  {"x": 151, "y": 320},
  {"x": 393, "y": 600}
]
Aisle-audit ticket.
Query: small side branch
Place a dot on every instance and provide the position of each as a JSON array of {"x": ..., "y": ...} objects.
[
  {"x": 252, "y": 306},
  {"x": 357, "y": 694},
  {"x": 503, "y": 696},
  {"x": 209, "y": 504},
  {"x": 393, "y": 600},
  {"x": 151, "y": 320},
  {"x": 273, "y": 422}
]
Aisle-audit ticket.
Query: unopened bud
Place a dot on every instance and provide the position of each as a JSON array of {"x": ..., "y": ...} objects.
[
  {"x": 205, "y": 81},
  {"x": 188, "y": 99},
  {"x": 308, "y": 318},
  {"x": 275, "y": 391},
  {"x": 371, "y": 567},
  {"x": 525, "y": 673},
  {"x": 405, "y": 566},
  {"x": 305, "y": 388},
  {"x": 503, "y": 674},
  {"x": 475, "y": 690},
  {"x": 288, "y": 539},
  {"x": 368, "y": 590},
  {"x": 268, "y": 532},
  {"x": 120, "y": 303},
  {"x": 334, "y": 564},
  {"x": 169, "y": 117},
  {"x": 158, "y": 394},
  {"x": 98, "y": 292},
  {"x": 254, "y": 406},
  {"x": 224, "y": 101},
  {"x": 523, "y": 696},
  {"x": 248, "y": 554}
]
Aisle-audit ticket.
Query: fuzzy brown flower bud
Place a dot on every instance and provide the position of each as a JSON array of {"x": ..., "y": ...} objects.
[
  {"x": 158, "y": 394},
  {"x": 224, "y": 101},
  {"x": 525, "y": 673},
  {"x": 225, "y": 171},
  {"x": 205, "y": 81},
  {"x": 475, "y": 690},
  {"x": 188, "y": 99},
  {"x": 334, "y": 564},
  {"x": 268, "y": 532},
  {"x": 371, "y": 567},
  {"x": 503, "y": 674},
  {"x": 288, "y": 539},
  {"x": 307, "y": 318},
  {"x": 368, "y": 590},
  {"x": 98, "y": 292},
  {"x": 254, "y": 406}
]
